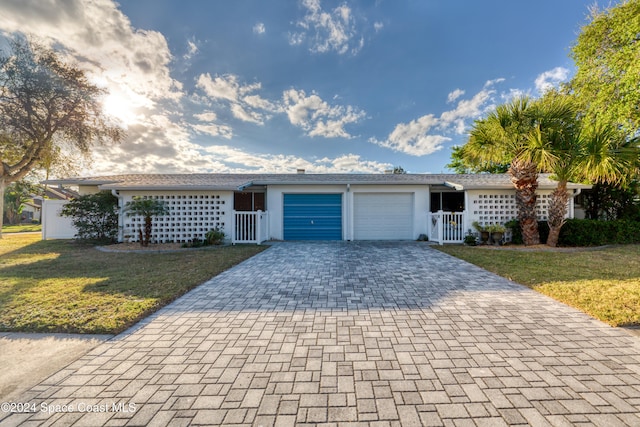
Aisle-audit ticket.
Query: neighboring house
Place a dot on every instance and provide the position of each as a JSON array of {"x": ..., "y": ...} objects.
[
  {"x": 31, "y": 210},
  {"x": 258, "y": 207}
]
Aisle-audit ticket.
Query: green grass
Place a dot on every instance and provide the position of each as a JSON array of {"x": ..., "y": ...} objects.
[
  {"x": 21, "y": 228},
  {"x": 604, "y": 283},
  {"x": 65, "y": 286}
]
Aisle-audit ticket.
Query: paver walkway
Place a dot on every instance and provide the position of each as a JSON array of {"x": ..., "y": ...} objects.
[{"x": 372, "y": 333}]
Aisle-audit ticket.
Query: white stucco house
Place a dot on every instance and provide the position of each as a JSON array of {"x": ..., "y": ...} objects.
[{"x": 258, "y": 207}]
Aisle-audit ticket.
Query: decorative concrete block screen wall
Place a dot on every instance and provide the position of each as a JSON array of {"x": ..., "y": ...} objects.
[
  {"x": 499, "y": 206},
  {"x": 191, "y": 215}
]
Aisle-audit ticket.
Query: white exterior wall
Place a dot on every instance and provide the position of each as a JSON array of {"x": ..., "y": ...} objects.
[
  {"x": 499, "y": 206},
  {"x": 275, "y": 204},
  {"x": 83, "y": 190},
  {"x": 55, "y": 226},
  {"x": 193, "y": 213}
]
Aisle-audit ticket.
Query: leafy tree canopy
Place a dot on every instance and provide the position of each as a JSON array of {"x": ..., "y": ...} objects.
[
  {"x": 45, "y": 104},
  {"x": 461, "y": 163},
  {"x": 607, "y": 57}
]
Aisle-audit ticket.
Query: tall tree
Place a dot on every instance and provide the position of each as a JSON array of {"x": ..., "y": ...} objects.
[
  {"x": 45, "y": 103},
  {"x": 607, "y": 77},
  {"x": 507, "y": 133},
  {"x": 502, "y": 135},
  {"x": 572, "y": 148}
]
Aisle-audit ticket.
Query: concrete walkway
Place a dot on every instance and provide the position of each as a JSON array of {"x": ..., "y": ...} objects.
[
  {"x": 352, "y": 333},
  {"x": 26, "y": 359}
]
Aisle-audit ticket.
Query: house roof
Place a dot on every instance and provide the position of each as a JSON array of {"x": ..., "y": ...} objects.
[{"x": 235, "y": 182}]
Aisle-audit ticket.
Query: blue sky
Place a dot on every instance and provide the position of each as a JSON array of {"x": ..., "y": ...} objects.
[{"x": 328, "y": 86}]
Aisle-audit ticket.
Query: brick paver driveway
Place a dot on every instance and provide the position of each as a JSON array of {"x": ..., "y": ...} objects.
[{"x": 369, "y": 333}]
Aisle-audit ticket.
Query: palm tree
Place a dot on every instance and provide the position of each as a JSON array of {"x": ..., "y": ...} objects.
[
  {"x": 146, "y": 208},
  {"x": 575, "y": 149},
  {"x": 500, "y": 138},
  {"x": 506, "y": 135},
  {"x": 595, "y": 153}
]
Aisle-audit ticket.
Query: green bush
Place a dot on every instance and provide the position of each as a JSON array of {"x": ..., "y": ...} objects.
[
  {"x": 215, "y": 236},
  {"x": 587, "y": 232},
  {"x": 212, "y": 237},
  {"x": 592, "y": 232},
  {"x": 95, "y": 216}
]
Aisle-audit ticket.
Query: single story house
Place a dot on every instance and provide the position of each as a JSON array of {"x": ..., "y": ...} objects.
[{"x": 301, "y": 206}]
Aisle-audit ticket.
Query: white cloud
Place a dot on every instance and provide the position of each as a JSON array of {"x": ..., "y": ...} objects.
[
  {"x": 244, "y": 105},
  {"x": 210, "y": 127},
  {"x": 311, "y": 113},
  {"x": 550, "y": 79},
  {"x": 279, "y": 163},
  {"x": 327, "y": 31},
  {"x": 191, "y": 51},
  {"x": 413, "y": 138},
  {"x": 417, "y": 137},
  {"x": 378, "y": 26},
  {"x": 206, "y": 116},
  {"x": 259, "y": 28},
  {"x": 454, "y": 95},
  {"x": 213, "y": 129},
  {"x": 156, "y": 144},
  {"x": 467, "y": 109},
  {"x": 246, "y": 116},
  {"x": 317, "y": 117},
  {"x": 101, "y": 37},
  {"x": 220, "y": 87}
]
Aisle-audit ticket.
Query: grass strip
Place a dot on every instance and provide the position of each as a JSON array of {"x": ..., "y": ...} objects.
[{"x": 66, "y": 286}]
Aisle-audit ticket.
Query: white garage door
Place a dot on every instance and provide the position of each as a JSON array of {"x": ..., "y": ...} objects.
[{"x": 383, "y": 216}]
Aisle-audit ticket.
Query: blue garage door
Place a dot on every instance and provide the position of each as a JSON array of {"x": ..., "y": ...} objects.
[{"x": 313, "y": 217}]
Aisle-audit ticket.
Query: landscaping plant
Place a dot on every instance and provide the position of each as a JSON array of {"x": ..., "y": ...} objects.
[
  {"x": 146, "y": 208},
  {"x": 95, "y": 216}
]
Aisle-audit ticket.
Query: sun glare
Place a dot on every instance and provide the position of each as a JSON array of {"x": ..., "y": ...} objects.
[{"x": 120, "y": 109}]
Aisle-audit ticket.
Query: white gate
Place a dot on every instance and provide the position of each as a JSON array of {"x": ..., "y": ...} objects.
[
  {"x": 446, "y": 227},
  {"x": 249, "y": 227}
]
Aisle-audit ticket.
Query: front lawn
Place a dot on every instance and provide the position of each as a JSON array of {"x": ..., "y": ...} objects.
[
  {"x": 64, "y": 286},
  {"x": 604, "y": 283},
  {"x": 21, "y": 228}
]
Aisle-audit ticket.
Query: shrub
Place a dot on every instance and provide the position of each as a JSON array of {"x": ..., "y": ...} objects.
[
  {"x": 212, "y": 237},
  {"x": 95, "y": 216},
  {"x": 587, "y": 232},
  {"x": 215, "y": 236},
  {"x": 592, "y": 232},
  {"x": 470, "y": 240}
]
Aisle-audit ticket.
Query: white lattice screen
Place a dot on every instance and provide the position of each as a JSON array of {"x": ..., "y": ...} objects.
[
  {"x": 190, "y": 216},
  {"x": 499, "y": 207}
]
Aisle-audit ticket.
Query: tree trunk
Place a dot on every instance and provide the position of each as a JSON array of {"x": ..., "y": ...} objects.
[
  {"x": 147, "y": 230},
  {"x": 2, "y": 188},
  {"x": 524, "y": 176},
  {"x": 557, "y": 212}
]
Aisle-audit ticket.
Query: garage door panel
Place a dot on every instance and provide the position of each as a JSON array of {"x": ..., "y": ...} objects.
[
  {"x": 313, "y": 216},
  {"x": 383, "y": 216}
]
